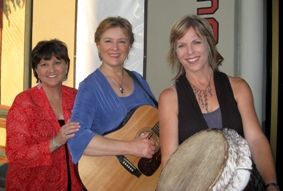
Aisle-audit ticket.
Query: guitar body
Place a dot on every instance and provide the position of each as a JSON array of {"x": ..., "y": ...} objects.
[{"x": 106, "y": 173}]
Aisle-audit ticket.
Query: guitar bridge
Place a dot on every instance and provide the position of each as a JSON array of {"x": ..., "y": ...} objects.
[{"x": 128, "y": 165}]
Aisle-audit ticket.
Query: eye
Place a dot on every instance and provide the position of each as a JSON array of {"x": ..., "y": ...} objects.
[
  {"x": 42, "y": 64},
  {"x": 197, "y": 41},
  {"x": 107, "y": 40},
  {"x": 180, "y": 45},
  {"x": 58, "y": 62},
  {"x": 123, "y": 41}
]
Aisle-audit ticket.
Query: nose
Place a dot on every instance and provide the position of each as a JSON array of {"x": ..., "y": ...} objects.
[
  {"x": 189, "y": 49},
  {"x": 51, "y": 68},
  {"x": 114, "y": 45}
]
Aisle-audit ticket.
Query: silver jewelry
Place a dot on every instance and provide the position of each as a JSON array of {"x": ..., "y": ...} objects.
[
  {"x": 121, "y": 88},
  {"x": 114, "y": 81}
]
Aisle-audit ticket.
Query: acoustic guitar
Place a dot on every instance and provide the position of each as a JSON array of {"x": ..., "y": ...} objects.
[{"x": 125, "y": 172}]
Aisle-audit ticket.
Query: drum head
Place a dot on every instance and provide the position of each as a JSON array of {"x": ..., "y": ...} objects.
[{"x": 197, "y": 163}]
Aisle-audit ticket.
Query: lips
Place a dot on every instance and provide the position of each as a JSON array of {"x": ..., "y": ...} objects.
[
  {"x": 192, "y": 60},
  {"x": 115, "y": 55}
]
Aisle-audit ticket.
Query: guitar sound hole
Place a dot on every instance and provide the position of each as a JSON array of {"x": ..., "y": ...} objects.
[{"x": 149, "y": 166}]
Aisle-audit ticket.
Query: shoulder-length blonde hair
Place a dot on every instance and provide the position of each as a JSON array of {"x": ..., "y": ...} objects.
[{"x": 203, "y": 28}]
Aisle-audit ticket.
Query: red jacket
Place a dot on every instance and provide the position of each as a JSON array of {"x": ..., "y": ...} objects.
[{"x": 31, "y": 124}]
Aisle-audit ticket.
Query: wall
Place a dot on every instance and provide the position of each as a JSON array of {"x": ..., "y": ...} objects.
[
  {"x": 12, "y": 55},
  {"x": 56, "y": 19},
  {"x": 29, "y": 22}
]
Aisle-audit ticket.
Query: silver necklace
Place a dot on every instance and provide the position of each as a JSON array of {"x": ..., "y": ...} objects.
[
  {"x": 121, "y": 88},
  {"x": 202, "y": 95},
  {"x": 114, "y": 81}
]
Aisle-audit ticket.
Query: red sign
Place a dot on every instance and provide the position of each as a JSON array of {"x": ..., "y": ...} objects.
[{"x": 212, "y": 21}]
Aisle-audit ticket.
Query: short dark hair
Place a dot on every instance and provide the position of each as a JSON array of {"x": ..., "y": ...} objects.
[{"x": 45, "y": 50}]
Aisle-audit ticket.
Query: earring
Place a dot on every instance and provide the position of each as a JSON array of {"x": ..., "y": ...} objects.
[{"x": 99, "y": 55}]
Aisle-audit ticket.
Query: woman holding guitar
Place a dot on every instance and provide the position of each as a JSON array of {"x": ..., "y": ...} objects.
[{"x": 106, "y": 97}]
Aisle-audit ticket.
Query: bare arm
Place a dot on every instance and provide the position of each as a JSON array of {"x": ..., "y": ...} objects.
[
  {"x": 258, "y": 143},
  {"x": 168, "y": 123}
]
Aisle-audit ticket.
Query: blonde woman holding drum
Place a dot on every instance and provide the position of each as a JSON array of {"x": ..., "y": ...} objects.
[{"x": 203, "y": 97}]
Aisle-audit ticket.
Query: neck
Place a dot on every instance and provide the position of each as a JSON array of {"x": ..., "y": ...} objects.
[
  {"x": 112, "y": 71},
  {"x": 201, "y": 80},
  {"x": 54, "y": 99},
  {"x": 115, "y": 77},
  {"x": 52, "y": 92}
]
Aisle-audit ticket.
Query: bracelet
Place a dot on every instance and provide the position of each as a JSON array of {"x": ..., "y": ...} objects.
[
  {"x": 54, "y": 144},
  {"x": 271, "y": 184}
]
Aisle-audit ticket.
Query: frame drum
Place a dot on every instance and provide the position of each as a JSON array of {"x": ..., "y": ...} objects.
[{"x": 209, "y": 160}]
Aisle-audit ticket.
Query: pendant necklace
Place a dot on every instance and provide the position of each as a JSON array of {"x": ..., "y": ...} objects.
[
  {"x": 121, "y": 88},
  {"x": 114, "y": 81},
  {"x": 202, "y": 95}
]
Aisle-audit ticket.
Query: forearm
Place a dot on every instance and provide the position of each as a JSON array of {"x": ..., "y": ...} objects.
[
  {"x": 103, "y": 146},
  {"x": 262, "y": 156}
]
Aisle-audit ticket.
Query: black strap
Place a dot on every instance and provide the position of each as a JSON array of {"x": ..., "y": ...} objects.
[
  {"x": 62, "y": 122},
  {"x": 68, "y": 168},
  {"x": 140, "y": 84}
]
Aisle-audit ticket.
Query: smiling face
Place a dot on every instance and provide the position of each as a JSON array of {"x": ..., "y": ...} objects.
[
  {"x": 52, "y": 72},
  {"x": 114, "y": 47},
  {"x": 192, "y": 51}
]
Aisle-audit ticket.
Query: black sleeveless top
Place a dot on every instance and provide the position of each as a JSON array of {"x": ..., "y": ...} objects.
[{"x": 190, "y": 117}]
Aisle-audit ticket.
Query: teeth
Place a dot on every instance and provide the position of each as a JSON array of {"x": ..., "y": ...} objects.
[
  {"x": 52, "y": 76},
  {"x": 114, "y": 53},
  {"x": 192, "y": 59}
]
